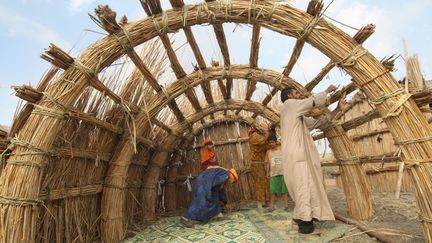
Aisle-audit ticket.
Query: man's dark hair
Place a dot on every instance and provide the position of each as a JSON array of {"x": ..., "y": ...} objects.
[
  {"x": 284, "y": 93},
  {"x": 272, "y": 138}
]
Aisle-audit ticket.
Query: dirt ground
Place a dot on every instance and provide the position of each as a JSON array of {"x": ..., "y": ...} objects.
[{"x": 397, "y": 218}]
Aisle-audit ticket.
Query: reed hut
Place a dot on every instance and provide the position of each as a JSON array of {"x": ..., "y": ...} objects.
[
  {"x": 381, "y": 154},
  {"x": 90, "y": 156}
]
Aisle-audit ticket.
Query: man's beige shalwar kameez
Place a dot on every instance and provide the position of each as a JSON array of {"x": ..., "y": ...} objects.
[{"x": 302, "y": 168}]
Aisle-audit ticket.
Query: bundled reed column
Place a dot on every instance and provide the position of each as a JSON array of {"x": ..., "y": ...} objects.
[
  {"x": 404, "y": 119},
  {"x": 355, "y": 183},
  {"x": 149, "y": 193},
  {"x": 171, "y": 183}
]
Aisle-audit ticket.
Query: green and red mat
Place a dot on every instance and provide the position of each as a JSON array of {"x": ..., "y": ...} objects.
[{"x": 247, "y": 225}]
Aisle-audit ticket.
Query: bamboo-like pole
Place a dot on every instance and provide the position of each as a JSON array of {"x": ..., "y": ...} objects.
[
  {"x": 253, "y": 59},
  {"x": 205, "y": 86},
  {"x": 364, "y": 159},
  {"x": 231, "y": 104},
  {"x": 314, "y": 8},
  {"x": 399, "y": 180},
  {"x": 178, "y": 71},
  {"x": 361, "y": 36},
  {"x": 420, "y": 98},
  {"x": 221, "y": 39}
]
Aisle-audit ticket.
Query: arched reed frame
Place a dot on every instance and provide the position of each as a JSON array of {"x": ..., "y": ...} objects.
[{"x": 367, "y": 72}]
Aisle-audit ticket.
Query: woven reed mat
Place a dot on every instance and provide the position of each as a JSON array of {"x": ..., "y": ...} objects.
[{"x": 247, "y": 225}]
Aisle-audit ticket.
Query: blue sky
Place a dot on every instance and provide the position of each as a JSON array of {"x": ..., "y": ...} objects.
[{"x": 28, "y": 26}]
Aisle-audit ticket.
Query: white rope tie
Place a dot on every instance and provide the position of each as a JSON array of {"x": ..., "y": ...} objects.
[
  {"x": 160, "y": 183},
  {"x": 188, "y": 183}
]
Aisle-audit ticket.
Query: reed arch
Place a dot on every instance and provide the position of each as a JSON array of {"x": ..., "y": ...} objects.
[{"x": 22, "y": 199}]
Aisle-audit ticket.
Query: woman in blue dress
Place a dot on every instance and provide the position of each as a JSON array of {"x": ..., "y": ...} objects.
[{"x": 209, "y": 196}]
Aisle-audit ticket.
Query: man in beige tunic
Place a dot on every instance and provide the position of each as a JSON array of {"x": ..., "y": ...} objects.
[{"x": 301, "y": 163}]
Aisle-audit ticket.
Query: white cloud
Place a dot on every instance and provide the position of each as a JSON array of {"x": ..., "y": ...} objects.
[
  {"x": 78, "y": 5},
  {"x": 310, "y": 63},
  {"x": 19, "y": 26}
]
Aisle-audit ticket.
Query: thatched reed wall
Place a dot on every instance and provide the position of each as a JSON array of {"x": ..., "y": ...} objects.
[
  {"x": 234, "y": 154},
  {"x": 88, "y": 160},
  {"x": 3, "y": 140},
  {"x": 375, "y": 139}
]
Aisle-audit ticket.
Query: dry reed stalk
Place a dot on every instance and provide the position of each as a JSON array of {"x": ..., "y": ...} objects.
[
  {"x": 354, "y": 181},
  {"x": 223, "y": 45},
  {"x": 231, "y": 104},
  {"x": 4, "y": 142},
  {"x": 380, "y": 236},
  {"x": 86, "y": 136},
  {"x": 189, "y": 162},
  {"x": 115, "y": 215},
  {"x": 133, "y": 208},
  {"x": 178, "y": 71},
  {"x": 236, "y": 71},
  {"x": 421, "y": 98},
  {"x": 253, "y": 59},
  {"x": 228, "y": 119},
  {"x": 170, "y": 182},
  {"x": 414, "y": 74},
  {"x": 149, "y": 189},
  {"x": 25, "y": 112},
  {"x": 403, "y": 118},
  {"x": 151, "y": 177},
  {"x": 361, "y": 36},
  {"x": 314, "y": 9},
  {"x": 61, "y": 179}
]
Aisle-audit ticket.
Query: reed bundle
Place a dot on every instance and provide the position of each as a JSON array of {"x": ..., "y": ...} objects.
[
  {"x": 355, "y": 184},
  {"x": 414, "y": 74},
  {"x": 129, "y": 192},
  {"x": 117, "y": 179}
]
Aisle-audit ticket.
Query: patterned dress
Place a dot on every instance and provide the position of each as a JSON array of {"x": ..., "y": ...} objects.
[
  {"x": 208, "y": 195},
  {"x": 258, "y": 145}
]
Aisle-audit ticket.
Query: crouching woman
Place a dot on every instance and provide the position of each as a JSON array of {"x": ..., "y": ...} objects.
[{"x": 209, "y": 196}]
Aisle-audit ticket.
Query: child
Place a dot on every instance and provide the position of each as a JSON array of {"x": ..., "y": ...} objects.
[{"x": 274, "y": 167}]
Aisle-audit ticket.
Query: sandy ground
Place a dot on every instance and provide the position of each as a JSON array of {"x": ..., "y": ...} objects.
[{"x": 396, "y": 217}]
